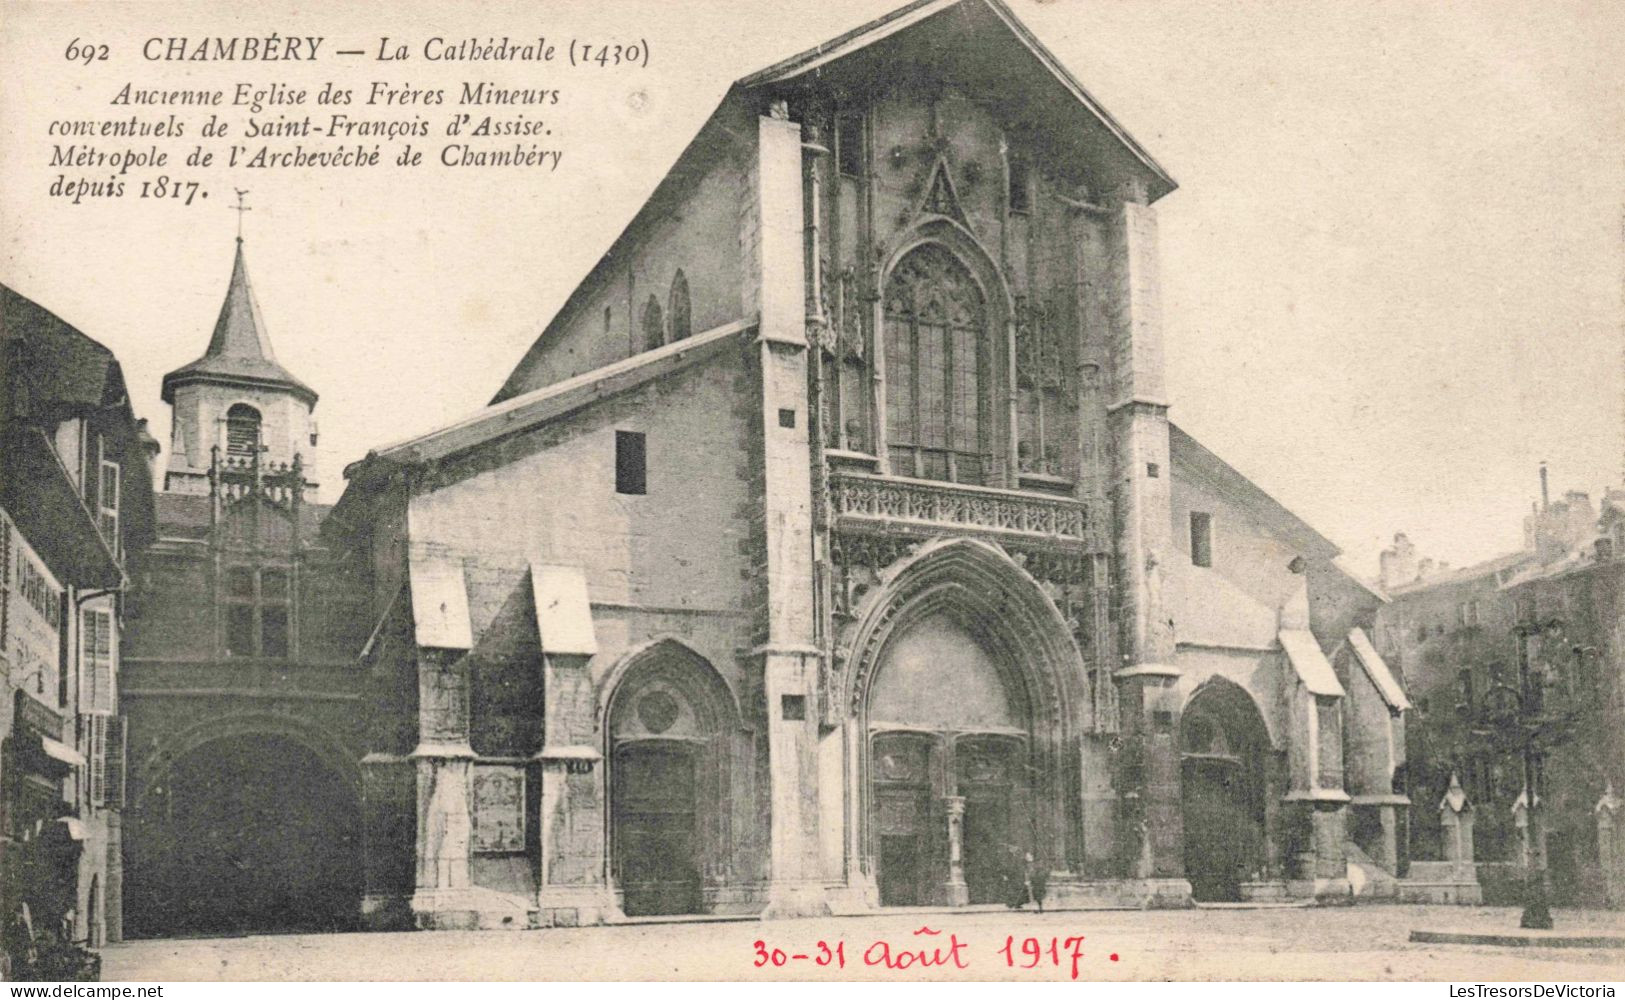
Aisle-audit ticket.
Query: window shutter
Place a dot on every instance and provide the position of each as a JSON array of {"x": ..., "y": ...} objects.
[
  {"x": 98, "y": 759},
  {"x": 115, "y": 751},
  {"x": 96, "y": 641},
  {"x": 108, "y": 502}
]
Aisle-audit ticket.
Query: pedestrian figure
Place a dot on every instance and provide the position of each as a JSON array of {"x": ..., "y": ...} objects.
[
  {"x": 1012, "y": 879},
  {"x": 1035, "y": 881}
]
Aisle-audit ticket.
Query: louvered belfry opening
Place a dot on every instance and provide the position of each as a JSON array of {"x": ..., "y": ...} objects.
[{"x": 242, "y": 430}]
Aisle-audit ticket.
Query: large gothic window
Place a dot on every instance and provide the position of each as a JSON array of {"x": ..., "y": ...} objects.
[
  {"x": 242, "y": 430},
  {"x": 936, "y": 410}
]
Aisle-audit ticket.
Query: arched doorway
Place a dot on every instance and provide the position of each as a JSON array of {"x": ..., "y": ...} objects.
[
  {"x": 252, "y": 832},
  {"x": 669, "y": 722},
  {"x": 1224, "y": 757},
  {"x": 965, "y": 691},
  {"x": 952, "y": 783}
]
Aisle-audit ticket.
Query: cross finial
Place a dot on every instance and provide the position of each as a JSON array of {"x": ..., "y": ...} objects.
[{"x": 240, "y": 208}]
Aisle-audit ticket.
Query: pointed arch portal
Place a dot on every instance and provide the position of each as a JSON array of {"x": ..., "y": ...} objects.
[
  {"x": 963, "y": 690},
  {"x": 669, "y": 720}
]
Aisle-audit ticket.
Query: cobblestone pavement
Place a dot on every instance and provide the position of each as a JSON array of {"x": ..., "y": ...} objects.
[{"x": 1361, "y": 943}]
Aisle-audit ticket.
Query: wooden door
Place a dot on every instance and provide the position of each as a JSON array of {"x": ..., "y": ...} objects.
[{"x": 653, "y": 823}]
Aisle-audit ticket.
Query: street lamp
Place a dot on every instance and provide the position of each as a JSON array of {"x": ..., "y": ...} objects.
[{"x": 1537, "y": 911}]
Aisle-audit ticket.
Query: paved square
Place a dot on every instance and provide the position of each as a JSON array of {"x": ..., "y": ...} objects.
[{"x": 1361, "y": 943}]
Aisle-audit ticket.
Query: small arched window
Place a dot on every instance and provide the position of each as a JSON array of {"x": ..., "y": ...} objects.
[
  {"x": 242, "y": 430},
  {"x": 654, "y": 325},
  {"x": 678, "y": 308}
]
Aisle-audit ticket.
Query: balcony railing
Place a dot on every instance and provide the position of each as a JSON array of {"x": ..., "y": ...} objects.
[{"x": 885, "y": 502}]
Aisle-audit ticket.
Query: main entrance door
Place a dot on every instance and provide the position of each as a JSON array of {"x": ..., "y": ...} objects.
[
  {"x": 656, "y": 849},
  {"x": 947, "y": 734},
  {"x": 994, "y": 844},
  {"x": 911, "y": 846}
]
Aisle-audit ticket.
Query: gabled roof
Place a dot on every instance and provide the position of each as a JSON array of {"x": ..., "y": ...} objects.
[
  {"x": 1005, "y": 58},
  {"x": 240, "y": 349},
  {"x": 982, "y": 22}
]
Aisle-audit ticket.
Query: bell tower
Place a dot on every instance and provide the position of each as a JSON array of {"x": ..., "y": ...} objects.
[{"x": 237, "y": 398}]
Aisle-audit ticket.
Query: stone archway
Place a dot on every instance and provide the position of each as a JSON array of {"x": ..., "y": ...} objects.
[
  {"x": 965, "y": 695},
  {"x": 247, "y": 830},
  {"x": 1224, "y": 755},
  {"x": 669, "y": 725}
]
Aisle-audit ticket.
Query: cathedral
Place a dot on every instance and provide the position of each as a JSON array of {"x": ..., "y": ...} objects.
[{"x": 832, "y": 550}]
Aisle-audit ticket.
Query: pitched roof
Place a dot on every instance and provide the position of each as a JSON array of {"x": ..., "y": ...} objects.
[
  {"x": 1377, "y": 669},
  {"x": 1512, "y": 560},
  {"x": 538, "y": 406},
  {"x": 1005, "y": 59},
  {"x": 240, "y": 348},
  {"x": 66, "y": 369},
  {"x": 980, "y": 31},
  {"x": 1310, "y": 663}
]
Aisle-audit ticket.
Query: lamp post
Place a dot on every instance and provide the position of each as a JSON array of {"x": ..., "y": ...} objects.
[{"x": 1537, "y": 910}]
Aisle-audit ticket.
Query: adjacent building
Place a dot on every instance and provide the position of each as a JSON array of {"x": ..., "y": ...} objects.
[
  {"x": 832, "y": 548},
  {"x": 1454, "y": 636},
  {"x": 75, "y": 504},
  {"x": 240, "y": 685}
]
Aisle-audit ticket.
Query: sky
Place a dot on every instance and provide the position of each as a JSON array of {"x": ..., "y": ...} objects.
[{"x": 1392, "y": 273}]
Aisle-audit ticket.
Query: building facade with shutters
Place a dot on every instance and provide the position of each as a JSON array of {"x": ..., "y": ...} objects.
[
  {"x": 239, "y": 680},
  {"x": 75, "y": 504},
  {"x": 832, "y": 549}
]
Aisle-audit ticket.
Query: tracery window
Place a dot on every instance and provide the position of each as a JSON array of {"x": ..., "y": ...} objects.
[
  {"x": 678, "y": 309},
  {"x": 936, "y": 407}
]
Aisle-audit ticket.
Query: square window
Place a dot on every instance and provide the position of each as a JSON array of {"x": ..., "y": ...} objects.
[
  {"x": 1201, "y": 539},
  {"x": 1152, "y": 470},
  {"x": 631, "y": 471},
  {"x": 793, "y": 707},
  {"x": 787, "y": 418}
]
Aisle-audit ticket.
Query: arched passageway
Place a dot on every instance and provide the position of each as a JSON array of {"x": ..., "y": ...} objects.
[
  {"x": 1224, "y": 756},
  {"x": 247, "y": 833}
]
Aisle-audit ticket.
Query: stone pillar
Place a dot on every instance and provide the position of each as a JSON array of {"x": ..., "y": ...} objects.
[
  {"x": 573, "y": 884},
  {"x": 1610, "y": 849},
  {"x": 1154, "y": 805},
  {"x": 1138, "y": 425},
  {"x": 1389, "y": 860},
  {"x": 442, "y": 898},
  {"x": 957, "y": 892},
  {"x": 789, "y": 657}
]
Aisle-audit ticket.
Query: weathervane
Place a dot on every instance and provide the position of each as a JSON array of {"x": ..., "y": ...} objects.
[{"x": 240, "y": 208}]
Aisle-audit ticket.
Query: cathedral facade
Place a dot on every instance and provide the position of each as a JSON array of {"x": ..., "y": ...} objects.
[{"x": 832, "y": 548}]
